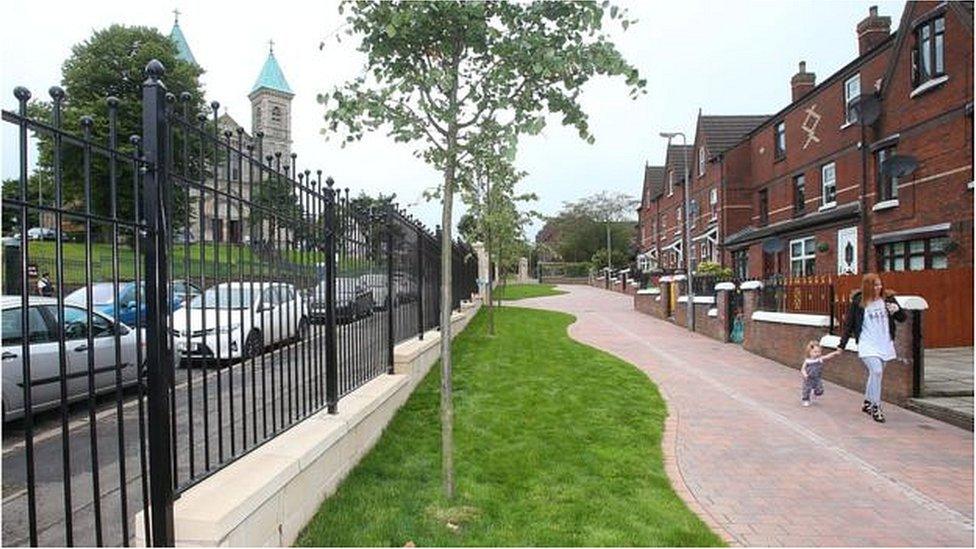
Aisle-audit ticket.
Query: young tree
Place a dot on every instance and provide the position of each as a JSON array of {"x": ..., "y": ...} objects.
[
  {"x": 436, "y": 72},
  {"x": 489, "y": 180}
]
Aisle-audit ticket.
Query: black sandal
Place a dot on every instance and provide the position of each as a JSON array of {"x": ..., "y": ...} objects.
[
  {"x": 876, "y": 414},
  {"x": 866, "y": 407}
]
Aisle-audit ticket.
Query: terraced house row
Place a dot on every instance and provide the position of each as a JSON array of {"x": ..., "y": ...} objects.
[{"x": 869, "y": 169}]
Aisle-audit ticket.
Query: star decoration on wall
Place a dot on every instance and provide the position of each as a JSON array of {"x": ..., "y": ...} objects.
[{"x": 810, "y": 124}]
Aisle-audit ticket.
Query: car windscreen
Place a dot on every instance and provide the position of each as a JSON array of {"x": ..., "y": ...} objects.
[{"x": 227, "y": 297}]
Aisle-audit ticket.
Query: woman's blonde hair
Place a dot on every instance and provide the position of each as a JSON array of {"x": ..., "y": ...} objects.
[{"x": 809, "y": 347}]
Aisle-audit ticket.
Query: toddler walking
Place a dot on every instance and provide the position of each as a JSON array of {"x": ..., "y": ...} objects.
[{"x": 812, "y": 370}]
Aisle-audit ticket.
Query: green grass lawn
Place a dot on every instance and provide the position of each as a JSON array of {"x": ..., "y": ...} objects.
[
  {"x": 557, "y": 444},
  {"x": 511, "y": 292}
]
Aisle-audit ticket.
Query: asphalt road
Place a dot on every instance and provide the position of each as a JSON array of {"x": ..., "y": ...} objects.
[{"x": 220, "y": 413}]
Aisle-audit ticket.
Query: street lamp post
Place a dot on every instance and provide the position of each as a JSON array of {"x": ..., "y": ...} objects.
[{"x": 687, "y": 228}]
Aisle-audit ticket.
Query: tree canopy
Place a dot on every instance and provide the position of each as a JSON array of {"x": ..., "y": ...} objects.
[{"x": 110, "y": 63}]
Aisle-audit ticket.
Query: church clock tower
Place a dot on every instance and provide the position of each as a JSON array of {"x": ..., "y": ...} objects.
[{"x": 271, "y": 107}]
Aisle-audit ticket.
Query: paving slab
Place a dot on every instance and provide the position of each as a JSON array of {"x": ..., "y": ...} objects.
[{"x": 762, "y": 470}]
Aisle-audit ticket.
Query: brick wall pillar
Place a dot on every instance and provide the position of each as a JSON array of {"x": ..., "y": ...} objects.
[{"x": 750, "y": 304}]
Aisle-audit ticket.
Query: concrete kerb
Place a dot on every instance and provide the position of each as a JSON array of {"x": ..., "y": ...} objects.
[{"x": 267, "y": 497}]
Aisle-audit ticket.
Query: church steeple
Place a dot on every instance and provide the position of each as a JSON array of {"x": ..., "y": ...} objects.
[
  {"x": 271, "y": 76},
  {"x": 271, "y": 106},
  {"x": 176, "y": 36}
]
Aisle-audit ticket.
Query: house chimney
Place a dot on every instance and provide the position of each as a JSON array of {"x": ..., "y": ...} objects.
[
  {"x": 872, "y": 31},
  {"x": 802, "y": 81}
]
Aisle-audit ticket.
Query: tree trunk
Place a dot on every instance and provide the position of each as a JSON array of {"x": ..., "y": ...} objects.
[
  {"x": 490, "y": 250},
  {"x": 447, "y": 389}
]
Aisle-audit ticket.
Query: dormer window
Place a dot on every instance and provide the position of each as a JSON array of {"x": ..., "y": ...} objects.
[
  {"x": 929, "y": 53},
  {"x": 701, "y": 161}
]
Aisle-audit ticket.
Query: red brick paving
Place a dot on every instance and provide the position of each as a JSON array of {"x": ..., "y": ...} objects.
[{"x": 760, "y": 469}]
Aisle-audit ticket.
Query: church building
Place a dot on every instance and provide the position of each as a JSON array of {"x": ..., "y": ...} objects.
[{"x": 222, "y": 219}]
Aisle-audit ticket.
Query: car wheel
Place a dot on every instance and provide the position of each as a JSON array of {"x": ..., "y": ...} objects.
[
  {"x": 254, "y": 345},
  {"x": 302, "y": 329}
]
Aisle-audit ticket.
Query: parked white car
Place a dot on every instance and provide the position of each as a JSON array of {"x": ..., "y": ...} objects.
[
  {"x": 238, "y": 320},
  {"x": 45, "y": 361},
  {"x": 377, "y": 283}
]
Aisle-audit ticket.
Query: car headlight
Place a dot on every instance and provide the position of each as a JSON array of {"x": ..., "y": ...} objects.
[{"x": 227, "y": 329}]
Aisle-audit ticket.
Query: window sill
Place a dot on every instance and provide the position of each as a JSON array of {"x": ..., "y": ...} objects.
[
  {"x": 846, "y": 125},
  {"x": 885, "y": 205},
  {"x": 929, "y": 86},
  {"x": 828, "y": 206},
  {"x": 779, "y": 158}
]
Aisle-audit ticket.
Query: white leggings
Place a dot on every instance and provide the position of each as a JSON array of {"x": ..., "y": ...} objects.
[{"x": 875, "y": 366}]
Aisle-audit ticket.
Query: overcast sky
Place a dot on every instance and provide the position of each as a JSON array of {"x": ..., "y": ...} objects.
[{"x": 730, "y": 57}]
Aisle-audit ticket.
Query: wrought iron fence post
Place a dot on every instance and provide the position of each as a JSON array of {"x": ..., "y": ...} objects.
[
  {"x": 331, "y": 356},
  {"x": 420, "y": 284},
  {"x": 390, "y": 336},
  {"x": 159, "y": 355}
]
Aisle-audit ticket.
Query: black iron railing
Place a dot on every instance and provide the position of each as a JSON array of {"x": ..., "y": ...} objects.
[{"x": 219, "y": 298}]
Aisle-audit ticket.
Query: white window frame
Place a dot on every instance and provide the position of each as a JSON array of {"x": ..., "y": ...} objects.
[
  {"x": 849, "y": 97},
  {"x": 804, "y": 255},
  {"x": 713, "y": 201},
  {"x": 694, "y": 218},
  {"x": 823, "y": 184},
  {"x": 701, "y": 161},
  {"x": 679, "y": 219},
  {"x": 670, "y": 182}
]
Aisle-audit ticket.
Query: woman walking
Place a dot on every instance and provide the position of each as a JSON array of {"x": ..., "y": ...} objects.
[{"x": 871, "y": 322}]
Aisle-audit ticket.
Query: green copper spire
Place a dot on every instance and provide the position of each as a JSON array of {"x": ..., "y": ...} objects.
[
  {"x": 271, "y": 76},
  {"x": 176, "y": 36}
]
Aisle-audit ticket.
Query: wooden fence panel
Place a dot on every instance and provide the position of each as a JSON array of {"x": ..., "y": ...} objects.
[{"x": 949, "y": 293}]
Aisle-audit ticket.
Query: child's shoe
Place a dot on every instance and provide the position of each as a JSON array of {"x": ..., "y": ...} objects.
[{"x": 804, "y": 402}]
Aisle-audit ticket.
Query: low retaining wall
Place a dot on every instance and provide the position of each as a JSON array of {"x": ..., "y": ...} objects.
[
  {"x": 650, "y": 302},
  {"x": 268, "y": 496},
  {"x": 783, "y": 336}
]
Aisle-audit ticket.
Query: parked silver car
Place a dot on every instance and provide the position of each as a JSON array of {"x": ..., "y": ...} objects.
[{"x": 45, "y": 361}]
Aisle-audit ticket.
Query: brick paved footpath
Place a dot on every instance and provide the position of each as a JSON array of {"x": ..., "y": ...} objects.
[{"x": 762, "y": 470}]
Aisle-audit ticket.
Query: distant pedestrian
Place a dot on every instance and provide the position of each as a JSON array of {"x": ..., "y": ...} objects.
[
  {"x": 44, "y": 286},
  {"x": 871, "y": 322},
  {"x": 812, "y": 371}
]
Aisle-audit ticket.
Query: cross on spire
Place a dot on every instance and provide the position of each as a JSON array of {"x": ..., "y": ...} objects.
[
  {"x": 271, "y": 47},
  {"x": 176, "y": 16}
]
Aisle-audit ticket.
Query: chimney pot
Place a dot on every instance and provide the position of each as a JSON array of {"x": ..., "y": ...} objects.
[
  {"x": 802, "y": 82},
  {"x": 872, "y": 30}
]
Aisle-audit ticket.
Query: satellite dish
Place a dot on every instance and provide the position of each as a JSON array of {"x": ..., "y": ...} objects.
[
  {"x": 773, "y": 245},
  {"x": 899, "y": 165},
  {"x": 866, "y": 109}
]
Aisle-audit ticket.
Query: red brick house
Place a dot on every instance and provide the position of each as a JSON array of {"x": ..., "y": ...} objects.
[
  {"x": 925, "y": 220},
  {"x": 715, "y": 175},
  {"x": 647, "y": 218},
  {"x": 670, "y": 208},
  {"x": 820, "y": 203}
]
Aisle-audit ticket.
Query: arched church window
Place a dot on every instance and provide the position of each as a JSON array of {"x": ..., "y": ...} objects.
[{"x": 276, "y": 114}]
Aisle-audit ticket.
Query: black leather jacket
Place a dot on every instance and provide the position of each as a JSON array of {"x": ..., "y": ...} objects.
[{"x": 855, "y": 319}]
